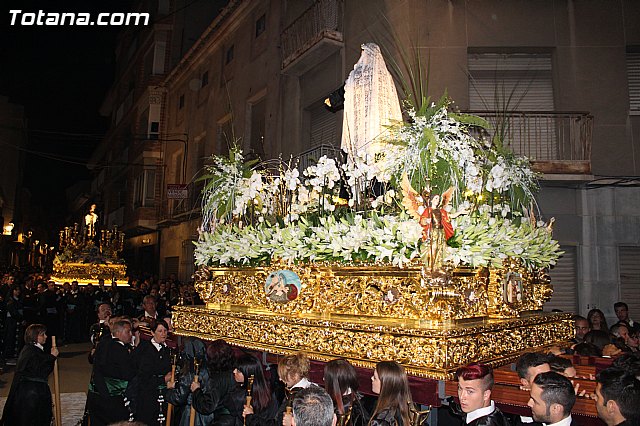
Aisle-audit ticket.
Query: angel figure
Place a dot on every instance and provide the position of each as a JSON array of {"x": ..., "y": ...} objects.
[{"x": 431, "y": 213}]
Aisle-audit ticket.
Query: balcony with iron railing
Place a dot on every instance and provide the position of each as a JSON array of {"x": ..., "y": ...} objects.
[
  {"x": 557, "y": 143},
  {"x": 310, "y": 157},
  {"x": 312, "y": 37}
]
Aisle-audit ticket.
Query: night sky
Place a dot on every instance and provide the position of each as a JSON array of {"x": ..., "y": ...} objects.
[{"x": 60, "y": 75}]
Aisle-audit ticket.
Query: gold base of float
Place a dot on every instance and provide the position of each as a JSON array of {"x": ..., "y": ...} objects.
[
  {"x": 432, "y": 323},
  {"x": 90, "y": 273}
]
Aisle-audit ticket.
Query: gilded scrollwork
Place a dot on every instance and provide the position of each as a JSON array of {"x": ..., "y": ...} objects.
[{"x": 433, "y": 351}]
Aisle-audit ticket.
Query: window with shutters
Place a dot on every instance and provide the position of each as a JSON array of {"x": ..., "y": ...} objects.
[
  {"x": 633, "y": 77},
  {"x": 564, "y": 280},
  {"x": 629, "y": 260},
  {"x": 515, "y": 92}
]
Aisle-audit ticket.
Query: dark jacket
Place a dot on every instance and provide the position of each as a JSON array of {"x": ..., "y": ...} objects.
[
  {"x": 113, "y": 369},
  {"x": 388, "y": 417},
  {"x": 148, "y": 386},
  {"x": 29, "y": 400}
]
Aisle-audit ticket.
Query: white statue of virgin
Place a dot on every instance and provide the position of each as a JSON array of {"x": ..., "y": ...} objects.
[{"x": 370, "y": 105}]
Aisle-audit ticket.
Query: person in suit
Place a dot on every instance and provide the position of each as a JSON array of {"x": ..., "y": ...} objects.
[
  {"x": 153, "y": 363},
  {"x": 113, "y": 369},
  {"x": 29, "y": 401},
  {"x": 552, "y": 397}
]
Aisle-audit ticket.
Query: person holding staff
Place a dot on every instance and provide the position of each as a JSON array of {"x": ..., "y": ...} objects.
[{"x": 29, "y": 401}]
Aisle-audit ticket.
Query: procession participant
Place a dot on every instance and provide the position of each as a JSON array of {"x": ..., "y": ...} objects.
[
  {"x": 293, "y": 370},
  {"x": 112, "y": 370},
  {"x": 341, "y": 383},
  {"x": 215, "y": 385},
  {"x": 14, "y": 324},
  {"x": 100, "y": 330},
  {"x": 29, "y": 401},
  {"x": 313, "y": 407},
  {"x": 150, "y": 314},
  {"x": 263, "y": 408},
  {"x": 153, "y": 363},
  {"x": 552, "y": 397},
  {"x": 617, "y": 397},
  {"x": 529, "y": 365},
  {"x": 390, "y": 383},
  {"x": 475, "y": 382}
]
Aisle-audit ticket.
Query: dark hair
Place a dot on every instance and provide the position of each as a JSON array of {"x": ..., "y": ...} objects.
[
  {"x": 599, "y": 338},
  {"x": 394, "y": 390},
  {"x": 620, "y": 305},
  {"x": 587, "y": 349},
  {"x": 102, "y": 303},
  {"x": 476, "y": 371},
  {"x": 339, "y": 377},
  {"x": 556, "y": 389},
  {"x": 529, "y": 360},
  {"x": 220, "y": 356},
  {"x": 622, "y": 387},
  {"x": 559, "y": 364},
  {"x": 604, "y": 319},
  {"x": 154, "y": 325},
  {"x": 32, "y": 332},
  {"x": 118, "y": 325},
  {"x": 313, "y": 407},
  {"x": 578, "y": 318},
  {"x": 249, "y": 366}
]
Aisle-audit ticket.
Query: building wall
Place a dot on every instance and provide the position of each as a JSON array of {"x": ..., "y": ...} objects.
[{"x": 587, "y": 41}]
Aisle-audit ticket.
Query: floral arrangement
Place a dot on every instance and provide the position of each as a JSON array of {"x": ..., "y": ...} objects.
[{"x": 442, "y": 193}]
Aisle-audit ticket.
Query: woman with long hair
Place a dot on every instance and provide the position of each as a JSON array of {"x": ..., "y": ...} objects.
[
  {"x": 341, "y": 383},
  {"x": 390, "y": 382},
  {"x": 29, "y": 400},
  {"x": 293, "y": 371},
  {"x": 263, "y": 407},
  {"x": 597, "y": 321}
]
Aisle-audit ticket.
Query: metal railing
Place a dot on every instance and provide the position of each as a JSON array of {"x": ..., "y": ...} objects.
[
  {"x": 320, "y": 17},
  {"x": 544, "y": 136},
  {"x": 310, "y": 157},
  {"x": 190, "y": 206}
]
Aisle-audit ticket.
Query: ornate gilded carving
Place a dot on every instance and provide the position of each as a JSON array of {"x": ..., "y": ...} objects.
[
  {"x": 381, "y": 291},
  {"x": 86, "y": 273},
  {"x": 431, "y": 350}
]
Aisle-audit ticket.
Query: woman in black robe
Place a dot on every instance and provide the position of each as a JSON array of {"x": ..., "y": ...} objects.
[
  {"x": 29, "y": 400},
  {"x": 153, "y": 362}
]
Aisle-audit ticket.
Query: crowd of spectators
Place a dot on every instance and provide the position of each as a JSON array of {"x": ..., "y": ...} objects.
[{"x": 68, "y": 310}]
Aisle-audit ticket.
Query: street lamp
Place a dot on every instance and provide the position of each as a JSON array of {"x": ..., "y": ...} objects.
[{"x": 8, "y": 229}]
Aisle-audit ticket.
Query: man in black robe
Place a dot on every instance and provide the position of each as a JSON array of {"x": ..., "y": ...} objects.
[{"x": 112, "y": 371}]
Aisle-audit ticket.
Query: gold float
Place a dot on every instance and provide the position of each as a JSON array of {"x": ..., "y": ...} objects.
[{"x": 430, "y": 322}]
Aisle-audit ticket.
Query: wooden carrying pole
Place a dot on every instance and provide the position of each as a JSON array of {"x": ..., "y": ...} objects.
[
  {"x": 173, "y": 378},
  {"x": 56, "y": 389},
  {"x": 192, "y": 412}
]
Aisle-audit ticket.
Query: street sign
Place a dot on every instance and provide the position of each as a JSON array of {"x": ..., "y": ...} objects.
[{"x": 177, "y": 191}]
